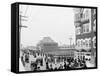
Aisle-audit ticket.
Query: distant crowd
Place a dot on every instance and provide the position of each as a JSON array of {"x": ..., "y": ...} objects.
[{"x": 36, "y": 61}]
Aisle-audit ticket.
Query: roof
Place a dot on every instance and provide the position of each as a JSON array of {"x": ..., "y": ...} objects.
[
  {"x": 61, "y": 52},
  {"x": 47, "y": 40}
]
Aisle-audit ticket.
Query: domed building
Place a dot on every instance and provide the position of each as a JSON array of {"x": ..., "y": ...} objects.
[{"x": 47, "y": 45}]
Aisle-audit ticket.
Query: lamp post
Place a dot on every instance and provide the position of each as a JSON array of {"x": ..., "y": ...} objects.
[{"x": 70, "y": 41}]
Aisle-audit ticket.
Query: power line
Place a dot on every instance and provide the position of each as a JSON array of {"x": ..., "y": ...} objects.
[{"x": 21, "y": 18}]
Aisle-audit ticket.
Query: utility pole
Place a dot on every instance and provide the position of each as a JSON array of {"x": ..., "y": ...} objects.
[{"x": 21, "y": 18}]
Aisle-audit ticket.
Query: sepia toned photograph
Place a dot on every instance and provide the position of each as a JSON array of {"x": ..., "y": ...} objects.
[{"x": 56, "y": 38}]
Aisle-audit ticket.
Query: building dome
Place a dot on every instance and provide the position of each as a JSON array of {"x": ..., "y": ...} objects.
[{"x": 46, "y": 40}]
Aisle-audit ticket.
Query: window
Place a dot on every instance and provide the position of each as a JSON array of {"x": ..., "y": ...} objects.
[
  {"x": 78, "y": 42},
  {"x": 94, "y": 27},
  {"x": 78, "y": 30},
  {"x": 77, "y": 17},
  {"x": 86, "y": 28},
  {"x": 89, "y": 42},
  {"x": 83, "y": 43},
  {"x": 94, "y": 11},
  {"x": 94, "y": 42},
  {"x": 85, "y": 14},
  {"x": 86, "y": 42}
]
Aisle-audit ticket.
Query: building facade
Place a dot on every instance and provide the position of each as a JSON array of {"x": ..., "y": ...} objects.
[{"x": 85, "y": 30}]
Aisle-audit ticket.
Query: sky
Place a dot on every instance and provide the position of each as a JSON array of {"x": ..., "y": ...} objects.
[{"x": 47, "y": 21}]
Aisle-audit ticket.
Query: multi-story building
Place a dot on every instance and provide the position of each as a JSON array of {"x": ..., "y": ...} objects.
[{"x": 85, "y": 28}]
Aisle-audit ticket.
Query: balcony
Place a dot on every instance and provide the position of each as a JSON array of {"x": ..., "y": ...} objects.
[
  {"x": 77, "y": 25},
  {"x": 84, "y": 20}
]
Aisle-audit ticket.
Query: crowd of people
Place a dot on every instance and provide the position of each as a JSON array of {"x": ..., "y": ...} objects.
[{"x": 35, "y": 61}]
